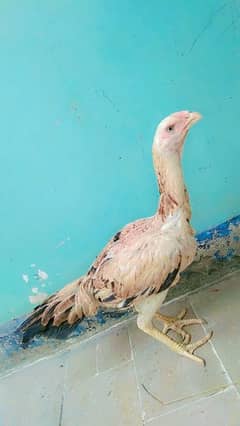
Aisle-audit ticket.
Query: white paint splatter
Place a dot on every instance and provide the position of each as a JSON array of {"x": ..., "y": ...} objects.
[
  {"x": 35, "y": 290},
  {"x": 32, "y": 265},
  {"x": 37, "y": 298},
  {"x": 60, "y": 244},
  {"x": 42, "y": 275},
  {"x": 25, "y": 278}
]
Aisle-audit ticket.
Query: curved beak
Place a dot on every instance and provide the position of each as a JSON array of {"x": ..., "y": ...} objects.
[{"x": 194, "y": 117}]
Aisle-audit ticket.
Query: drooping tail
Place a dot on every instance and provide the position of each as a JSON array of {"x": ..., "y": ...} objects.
[{"x": 57, "y": 310}]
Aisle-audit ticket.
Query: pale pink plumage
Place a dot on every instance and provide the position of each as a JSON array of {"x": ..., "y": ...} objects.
[{"x": 143, "y": 260}]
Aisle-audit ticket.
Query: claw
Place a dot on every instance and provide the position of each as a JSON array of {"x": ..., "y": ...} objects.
[
  {"x": 177, "y": 324},
  {"x": 189, "y": 349},
  {"x": 195, "y": 358},
  {"x": 186, "y": 337},
  {"x": 192, "y": 347},
  {"x": 182, "y": 314}
]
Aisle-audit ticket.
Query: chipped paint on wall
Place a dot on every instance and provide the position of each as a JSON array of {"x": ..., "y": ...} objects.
[
  {"x": 42, "y": 274},
  {"x": 221, "y": 242},
  {"x": 218, "y": 254},
  {"x": 37, "y": 298},
  {"x": 25, "y": 278},
  {"x": 62, "y": 242}
]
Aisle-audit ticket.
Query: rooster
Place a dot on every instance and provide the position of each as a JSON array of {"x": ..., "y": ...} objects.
[{"x": 143, "y": 260}]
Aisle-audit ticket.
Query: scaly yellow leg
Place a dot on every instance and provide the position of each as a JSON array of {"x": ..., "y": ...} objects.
[{"x": 184, "y": 349}]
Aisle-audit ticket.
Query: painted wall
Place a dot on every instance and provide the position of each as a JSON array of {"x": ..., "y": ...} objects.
[{"x": 83, "y": 85}]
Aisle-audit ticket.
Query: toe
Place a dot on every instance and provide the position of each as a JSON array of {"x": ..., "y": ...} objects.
[
  {"x": 187, "y": 338},
  {"x": 191, "y": 348},
  {"x": 181, "y": 314}
]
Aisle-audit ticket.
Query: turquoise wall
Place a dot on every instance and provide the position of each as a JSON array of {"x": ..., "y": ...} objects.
[{"x": 83, "y": 85}]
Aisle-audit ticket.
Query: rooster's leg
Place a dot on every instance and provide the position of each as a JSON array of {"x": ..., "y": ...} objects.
[
  {"x": 184, "y": 349},
  {"x": 177, "y": 323},
  {"x": 146, "y": 312}
]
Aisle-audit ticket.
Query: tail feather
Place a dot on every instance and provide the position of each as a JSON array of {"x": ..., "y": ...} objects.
[
  {"x": 60, "y": 332},
  {"x": 58, "y": 309},
  {"x": 62, "y": 317},
  {"x": 73, "y": 316},
  {"x": 49, "y": 312},
  {"x": 64, "y": 305}
]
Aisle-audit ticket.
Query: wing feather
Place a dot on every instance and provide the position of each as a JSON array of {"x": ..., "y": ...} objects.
[{"x": 144, "y": 266}]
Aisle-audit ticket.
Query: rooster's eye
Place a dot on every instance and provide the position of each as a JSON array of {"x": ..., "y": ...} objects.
[{"x": 170, "y": 128}]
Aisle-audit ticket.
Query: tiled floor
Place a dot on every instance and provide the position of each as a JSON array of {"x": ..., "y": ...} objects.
[{"x": 125, "y": 378}]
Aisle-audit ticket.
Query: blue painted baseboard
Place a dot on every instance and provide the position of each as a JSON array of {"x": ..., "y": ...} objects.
[{"x": 221, "y": 242}]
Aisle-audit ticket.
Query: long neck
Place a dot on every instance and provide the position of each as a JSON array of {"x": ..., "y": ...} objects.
[{"x": 171, "y": 185}]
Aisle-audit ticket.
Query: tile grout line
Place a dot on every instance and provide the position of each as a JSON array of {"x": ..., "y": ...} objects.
[
  {"x": 63, "y": 391},
  {"x": 191, "y": 401},
  {"x": 114, "y": 368},
  {"x": 96, "y": 359},
  {"x": 61, "y": 409},
  {"x": 226, "y": 373},
  {"x": 142, "y": 413},
  {"x": 24, "y": 366}
]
